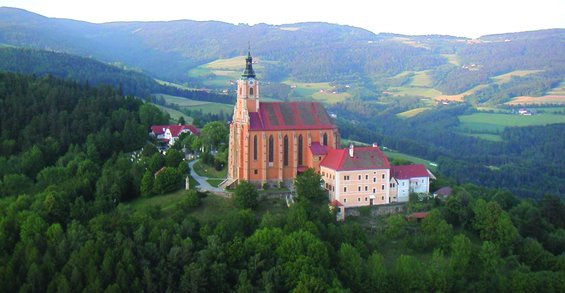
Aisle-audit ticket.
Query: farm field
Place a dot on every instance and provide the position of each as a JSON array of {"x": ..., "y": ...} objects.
[
  {"x": 559, "y": 90},
  {"x": 411, "y": 113},
  {"x": 414, "y": 91},
  {"x": 494, "y": 123},
  {"x": 503, "y": 78},
  {"x": 453, "y": 59},
  {"x": 525, "y": 100},
  {"x": 318, "y": 91},
  {"x": 485, "y": 136},
  {"x": 205, "y": 107},
  {"x": 421, "y": 79},
  {"x": 174, "y": 114}
]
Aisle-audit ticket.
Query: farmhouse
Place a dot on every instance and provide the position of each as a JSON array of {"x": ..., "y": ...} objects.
[
  {"x": 168, "y": 134},
  {"x": 271, "y": 143}
]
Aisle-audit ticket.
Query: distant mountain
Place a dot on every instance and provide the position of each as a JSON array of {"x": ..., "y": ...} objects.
[
  {"x": 307, "y": 52},
  {"x": 93, "y": 72}
]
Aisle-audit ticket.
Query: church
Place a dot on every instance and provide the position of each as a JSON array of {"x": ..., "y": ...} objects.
[{"x": 271, "y": 142}]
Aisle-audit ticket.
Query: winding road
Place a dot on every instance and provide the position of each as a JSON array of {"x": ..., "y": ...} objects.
[{"x": 204, "y": 185}]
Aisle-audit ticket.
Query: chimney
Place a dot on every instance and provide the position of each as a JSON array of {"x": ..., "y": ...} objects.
[
  {"x": 351, "y": 150},
  {"x": 375, "y": 145}
]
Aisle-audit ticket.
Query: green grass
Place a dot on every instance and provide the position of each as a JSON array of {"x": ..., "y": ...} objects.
[
  {"x": 396, "y": 155},
  {"x": 205, "y": 107},
  {"x": 215, "y": 182},
  {"x": 166, "y": 201},
  {"x": 485, "y": 136},
  {"x": 412, "y": 113},
  {"x": 489, "y": 121},
  {"x": 174, "y": 114},
  {"x": 504, "y": 78},
  {"x": 422, "y": 79},
  {"x": 414, "y": 91},
  {"x": 209, "y": 171},
  {"x": 453, "y": 59}
]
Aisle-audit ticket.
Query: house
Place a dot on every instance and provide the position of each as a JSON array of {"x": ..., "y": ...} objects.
[
  {"x": 363, "y": 176},
  {"x": 411, "y": 179},
  {"x": 169, "y": 133}
]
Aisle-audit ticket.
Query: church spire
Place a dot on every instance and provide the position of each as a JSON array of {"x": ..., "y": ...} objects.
[{"x": 248, "y": 72}]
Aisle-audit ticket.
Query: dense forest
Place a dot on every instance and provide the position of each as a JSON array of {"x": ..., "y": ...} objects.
[
  {"x": 65, "y": 224},
  {"x": 90, "y": 71},
  {"x": 529, "y": 161}
]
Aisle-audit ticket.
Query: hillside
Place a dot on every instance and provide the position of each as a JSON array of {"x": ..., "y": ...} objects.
[
  {"x": 93, "y": 72},
  {"x": 306, "y": 52}
]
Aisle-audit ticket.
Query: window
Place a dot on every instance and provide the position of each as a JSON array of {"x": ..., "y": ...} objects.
[
  {"x": 285, "y": 151},
  {"x": 365, "y": 198},
  {"x": 383, "y": 197},
  {"x": 271, "y": 149},
  {"x": 344, "y": 200},
  {"x": 345, "y": 189},
  {"x": 325, "y": 139},
  {"x": 383, "y": 176},
  {"x": 346, "y": 177},
  {"x": 250, "y": 91},
  {"x": 255, "y": 172},
  {"x": 366, "y": 188},
  {"x": 358, "y": 199},
  {"x": 240, "y": 91},
  {"x": 383, "y": 187},
  {"x": 366, "y": 177},
  {"x": 374, "y": 179},
  {"x": 358, "y": 188},
  {"x": 359, "y": 177},
  {"x": 300, "y": 142},
  {"x": 255, "y": 147},
  {"x": 374, "y": 190}
]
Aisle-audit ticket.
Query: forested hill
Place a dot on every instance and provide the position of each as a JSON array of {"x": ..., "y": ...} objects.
[
  {"x": 303, "y": 51},
  {"x": 93, "y": 72}
]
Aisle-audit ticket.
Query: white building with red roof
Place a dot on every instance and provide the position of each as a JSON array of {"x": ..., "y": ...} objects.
[
  {"x": 170, "y": 133},
  {"x": 363, "y": 176}
]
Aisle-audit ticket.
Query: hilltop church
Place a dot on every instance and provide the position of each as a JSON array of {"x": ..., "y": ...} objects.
[{"x": 271, "y": 142}]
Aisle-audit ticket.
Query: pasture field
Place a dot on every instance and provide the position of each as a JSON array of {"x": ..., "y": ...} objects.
[
  {"x": 412, "y": 113},
  {"x": 205, "y": 107},
  {"x": 494, "y": 122},
  {"x": 421, "y": 79},
  {"x": 504, "y": 78},
  {"x": 452, "y": 58},
  {"x": 174, "y": 114},
  {"x": 526, "y": 100},
  {"x": 485, "y": 136},
  {"x": 414, "y": 91},
  {"x": 396, "y": 155}
]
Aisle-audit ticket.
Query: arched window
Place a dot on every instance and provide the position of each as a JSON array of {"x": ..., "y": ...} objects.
[
  {"x": 271, "y": 149},
  {"x": 240, "y": 91},
  {"x": 255, "y": 147},
  {"x": 285, "y": 151},
  {"x": 250, "y": 91},
  {"x": 325, "y": 141},
  {"x": 300, "y": 143}
]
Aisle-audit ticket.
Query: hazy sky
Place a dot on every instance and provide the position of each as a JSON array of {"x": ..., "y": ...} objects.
[{"x": 460, "y": 18}]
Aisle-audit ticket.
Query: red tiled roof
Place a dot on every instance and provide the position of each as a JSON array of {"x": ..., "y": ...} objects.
[
  {"x": 409, "y": 171},
  {"x": 290, "y": 115},
  {"x": 175, "y": 129},
  {"x": 317, "y": 149},
  {"x": 336, "y": 203},
  {"x": 158, "y": 129},
  {"x": 364, "y": 158}
]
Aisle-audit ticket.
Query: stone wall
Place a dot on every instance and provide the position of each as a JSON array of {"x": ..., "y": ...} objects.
[{"x": 376, "y": 210}]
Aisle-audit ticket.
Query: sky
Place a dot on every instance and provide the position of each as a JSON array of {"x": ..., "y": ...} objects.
[{"x": 413, "y": 17}]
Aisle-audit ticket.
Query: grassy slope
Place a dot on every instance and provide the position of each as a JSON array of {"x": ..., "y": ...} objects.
[
  {"x": 412, "y": 113},
  {"x": 205, "y": 107}
]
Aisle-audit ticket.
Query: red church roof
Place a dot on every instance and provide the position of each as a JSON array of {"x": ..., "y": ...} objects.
[
  {"x": 364, "y": 158},
  {"x": 317, "y": 149},
  {"x": 409, "y": 171},
  {"x": 290, "y": 116}
]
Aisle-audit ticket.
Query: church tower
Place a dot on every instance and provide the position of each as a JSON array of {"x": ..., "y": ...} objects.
[{"x": 247, "y": 102}]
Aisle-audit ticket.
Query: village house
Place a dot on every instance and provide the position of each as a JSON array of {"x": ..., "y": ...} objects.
[{"x": 168, "y": 134}]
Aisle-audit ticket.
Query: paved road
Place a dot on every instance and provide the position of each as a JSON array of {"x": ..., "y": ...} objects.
[{"x": 204, "y": 185}]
